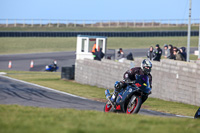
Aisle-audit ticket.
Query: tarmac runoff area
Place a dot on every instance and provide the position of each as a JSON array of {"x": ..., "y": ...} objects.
[{"x": 14, "y": 91}]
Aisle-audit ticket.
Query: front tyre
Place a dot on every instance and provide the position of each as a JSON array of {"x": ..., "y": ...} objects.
[
  {"x": 107, "y": 107},
  {"x": 134, "y": 105}
]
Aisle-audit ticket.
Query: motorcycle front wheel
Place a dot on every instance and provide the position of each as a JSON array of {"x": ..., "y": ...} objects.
[
  {"x": 134, "y": 105},
  {"x": 107, "y": 107}
]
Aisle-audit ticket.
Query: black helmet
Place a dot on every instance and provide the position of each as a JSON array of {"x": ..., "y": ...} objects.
[{"x": 146, "y": 66}]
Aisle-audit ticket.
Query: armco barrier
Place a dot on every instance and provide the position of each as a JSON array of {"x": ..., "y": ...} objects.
[
  {"x": 172, "y": 80},
  {"x": 107, "y": 34}
]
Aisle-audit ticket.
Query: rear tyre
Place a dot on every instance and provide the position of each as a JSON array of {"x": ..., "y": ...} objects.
[
  {"x": 134, "y": 107},
  {"x": 107, "y": 107}
]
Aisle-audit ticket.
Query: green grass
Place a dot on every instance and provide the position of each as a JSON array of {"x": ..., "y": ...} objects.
[
  {"x": 193, "y": 57},
  {"x": 53, "y": 80},
  {"x": 146, "y": 42},
  {"x": 20, "y": 119},
  {"x": 36, "y": 45},
  {"x": 12, "y": 45}
]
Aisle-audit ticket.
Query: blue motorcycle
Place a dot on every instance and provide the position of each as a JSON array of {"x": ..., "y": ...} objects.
[
  {"x": 129, "y": 99},
  {"x": 51, "y": 68}
]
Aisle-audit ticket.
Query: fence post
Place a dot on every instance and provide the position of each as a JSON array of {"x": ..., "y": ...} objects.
[
  {"x": 134, "y": 24},
  {"x": 24, "y": 24},
  {"x": 168, "y": 22},
  {"x": 83, "y": 23},
  {"x": 143, "y": 24},
  {"x": 49, "y": 23},
  {"x": 40, "y": 23},
  {"x": 66, "y": 23},
  {"x": 75, "y": 23},
  {"x": 152, "y": 23},
  {"x": 58, "y": 24},
  {"x": 6, "y": 22},
  {"x": 118, "y": 24},
  {"x": 160, "y": 23},
  {"x": 15, "y": 23},
  {"x": 32, "y": 23},
  {"x": 92, "y": 24}
]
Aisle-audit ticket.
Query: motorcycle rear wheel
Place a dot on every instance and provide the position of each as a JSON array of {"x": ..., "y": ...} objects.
[{"x": 134, "y": 108}]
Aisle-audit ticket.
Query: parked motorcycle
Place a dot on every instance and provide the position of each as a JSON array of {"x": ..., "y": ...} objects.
[{"x": 130, "y": 99}]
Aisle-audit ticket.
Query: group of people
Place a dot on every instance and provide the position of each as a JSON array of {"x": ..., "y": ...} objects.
[
  {"x": 98, "y": 55},
  {"x": 121, "y": 55},
  {"x": 170, "y": 52}
]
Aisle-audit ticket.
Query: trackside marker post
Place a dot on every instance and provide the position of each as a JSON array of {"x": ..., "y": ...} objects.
[
  {"x": 10, "y": 64},
  {"x": 31, "y": 64}
]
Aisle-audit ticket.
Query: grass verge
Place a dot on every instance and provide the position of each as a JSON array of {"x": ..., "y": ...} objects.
[
  {"x": 52, "y": 80},
  {"x": 20, "y": 119},
  {"x": 12, "y": 45}
]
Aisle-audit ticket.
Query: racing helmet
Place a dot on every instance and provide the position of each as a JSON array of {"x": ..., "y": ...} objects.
[{"x": 146, "y": 66}]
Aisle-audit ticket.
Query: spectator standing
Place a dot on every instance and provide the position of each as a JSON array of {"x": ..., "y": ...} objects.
[
  {"x": 183, "y": 53},
  {"x": 130, "y": 56},
  {"x": 166, "y": 51},
  {"x": 95, "y": 54},
  {"x": 150, "y": 53},
  {"x": 177, "y": 54},
  {"x": 93, "y": 48},
  {"x": 120, "y": 54},
  {"x": 170, "y": 47},
  {"x": 100, "y": 54},
  {"x": 158, "y": 53}
]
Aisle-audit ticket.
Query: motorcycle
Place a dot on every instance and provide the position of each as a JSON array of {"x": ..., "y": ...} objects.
[
  {"x": 51, "y": 68},
  {"x": 130, "y": 99}
]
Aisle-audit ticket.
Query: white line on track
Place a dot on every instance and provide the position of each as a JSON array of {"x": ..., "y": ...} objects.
[
  {"x": 182, "y": 116},
  {"x": 61, "y": 92}
]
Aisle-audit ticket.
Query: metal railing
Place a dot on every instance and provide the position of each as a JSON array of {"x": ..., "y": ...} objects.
[{"x": 96, "y": 23}]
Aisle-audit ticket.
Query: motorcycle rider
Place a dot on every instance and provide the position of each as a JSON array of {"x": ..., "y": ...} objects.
[
  {"x": 131, "y": 75},
  {"x": 55, "y": 64}
]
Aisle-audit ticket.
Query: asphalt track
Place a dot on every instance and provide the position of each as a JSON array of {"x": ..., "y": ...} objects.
[
  {"x": 17, "y": 92},
  {"x": 21, "y": 62}
]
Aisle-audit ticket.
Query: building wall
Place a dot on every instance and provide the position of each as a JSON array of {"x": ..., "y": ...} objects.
[{"x": 172, "y": 80}]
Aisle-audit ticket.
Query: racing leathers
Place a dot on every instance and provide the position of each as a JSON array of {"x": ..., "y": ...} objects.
[{"x": 129, "y": 76}]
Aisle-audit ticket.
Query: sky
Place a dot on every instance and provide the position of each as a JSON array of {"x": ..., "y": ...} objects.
[{"x": 98, "y": 9}]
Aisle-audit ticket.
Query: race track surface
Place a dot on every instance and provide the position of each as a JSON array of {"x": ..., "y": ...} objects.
[
  {"x": 21, "y": 62},
  {"x": 15, "y": 92},
  {"x": 18, "y": 92}
]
